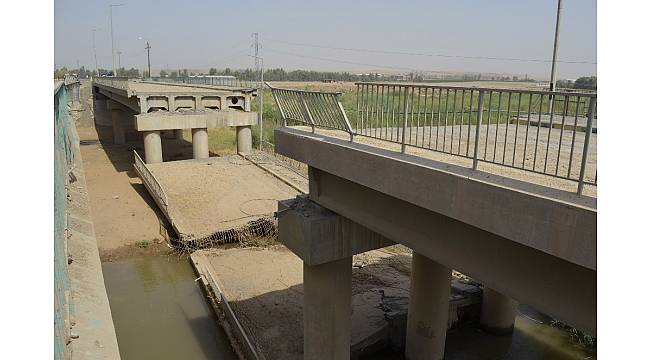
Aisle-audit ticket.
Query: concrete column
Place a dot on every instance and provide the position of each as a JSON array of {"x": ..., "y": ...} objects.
[
  {"x": 498, "y": 312},
  {"x": 327, "y": 311},
  {"x": 117, "y": 118},
  {"x": 200, "y": 143},
  {"x": 244, "y": 139},
  {"x": 178, "y": 134},
  {"x": 428, "y": 313},
  {"x": 152, "y": 147}
]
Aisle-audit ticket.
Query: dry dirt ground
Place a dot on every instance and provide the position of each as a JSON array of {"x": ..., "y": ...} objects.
[
  {"x": 127, "y": 222},
  {"x": 267, "y": 296}
]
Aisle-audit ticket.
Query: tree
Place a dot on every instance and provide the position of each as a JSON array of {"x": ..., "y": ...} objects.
[
  {"x": 163, "y": 73},
  {"x": 213, "y": 71},
  {"x": 585, "y": 82}
]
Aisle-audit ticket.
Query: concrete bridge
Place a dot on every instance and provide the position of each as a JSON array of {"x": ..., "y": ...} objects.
[
  {"x": 152, "y": 107},
  {"x": 527, "y": 241}
]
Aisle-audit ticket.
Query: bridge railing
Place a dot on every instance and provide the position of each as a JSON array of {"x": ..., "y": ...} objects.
[
  {"x": 211, "y": 81},
  {"x": 539, "y": 131},
  {"x": 313, "y": 108},
  {"x": 543, "y": 132},
  {"x": 149, "y": 179}
]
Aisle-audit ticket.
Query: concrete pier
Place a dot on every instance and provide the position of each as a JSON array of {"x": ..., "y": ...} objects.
[
  {"x": 327, "y": 309},
  {"x": 117, "y": 118},
  {"x": 244, "y": 139},
  {"x": 200, "y": 143},
  {"x": 426, "y": 327},
  {"x": 498, "y": 312},
  {"x": 152, "y": 147}
]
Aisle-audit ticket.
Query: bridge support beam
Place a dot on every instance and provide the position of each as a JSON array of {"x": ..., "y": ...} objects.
[
  {"x": 200, "y": 143},
  {"x": 428, "y": 312},
  {"x": 244, "y": 139},
  {"x": 498, "y": 312},
  {"x": 117, "y": 118},
  {"x": 327, "y": 309},
  {"x": 152, "y": 147}
]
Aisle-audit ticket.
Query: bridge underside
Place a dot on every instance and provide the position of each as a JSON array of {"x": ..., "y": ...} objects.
[{"x": 522, "y": 245}]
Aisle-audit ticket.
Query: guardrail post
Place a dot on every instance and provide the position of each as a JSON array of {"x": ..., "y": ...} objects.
[
  {"x": 406, "y": 118},
  {"x": 585, "y": 149},
  {"x": 307, "y": 112},
  {"x": 345, "y": 117},
  {"x": 479, "y": 116}
]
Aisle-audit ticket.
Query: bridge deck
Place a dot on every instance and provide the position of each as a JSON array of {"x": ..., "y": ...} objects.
[
  {"x": 139, "y": 87},
  {"x": 218, "y": 193},
  {"x": 543, "y": 185}
]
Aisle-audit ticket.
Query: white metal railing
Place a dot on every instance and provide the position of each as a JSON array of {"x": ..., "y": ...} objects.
[
  {"x": 544, "y": 132},
  {"x": 314, "y": 108}
]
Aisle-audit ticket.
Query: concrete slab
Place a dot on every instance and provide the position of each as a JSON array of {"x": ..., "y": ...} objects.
[
  {"x": 217, "y": 194},
  {"x": 267, "y": 298}
]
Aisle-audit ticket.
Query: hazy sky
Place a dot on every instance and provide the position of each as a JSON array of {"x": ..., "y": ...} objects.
[{"x": 203, "y": 34}]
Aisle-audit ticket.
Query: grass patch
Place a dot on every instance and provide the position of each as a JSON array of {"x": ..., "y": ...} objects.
[{"x": 142, "y": 244}]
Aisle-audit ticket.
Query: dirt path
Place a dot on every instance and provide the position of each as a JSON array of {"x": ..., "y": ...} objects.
[{"x": 127, "y": 221}]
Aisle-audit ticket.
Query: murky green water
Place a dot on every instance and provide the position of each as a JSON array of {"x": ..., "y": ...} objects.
[{"x": 160, "y": 313}]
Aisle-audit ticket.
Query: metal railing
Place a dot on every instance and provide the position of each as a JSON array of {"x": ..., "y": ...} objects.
[
  {"x": 313, "y": 108},
  {"x": 210, "y": 81},
  {"x": 533, "y": 130},
  {"x": 543, "y": 132},
  {"x": 149, "y": 178}
]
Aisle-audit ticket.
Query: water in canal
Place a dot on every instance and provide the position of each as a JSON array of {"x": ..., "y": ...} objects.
[{"x": 159, "y": 311}]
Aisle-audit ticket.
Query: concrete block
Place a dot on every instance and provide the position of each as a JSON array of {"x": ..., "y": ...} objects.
[{"x": 318, "y": 236}]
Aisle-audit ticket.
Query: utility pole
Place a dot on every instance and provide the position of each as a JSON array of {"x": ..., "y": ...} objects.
[
  {"x": 555, "y": 50},
  {"x": 119, "y": 59},
  {"x": 260, "y": 85},
  {"x": 148, "y": 47},
  {"x": 95, "y": 52},
  {"x": 110, "y": 10}
]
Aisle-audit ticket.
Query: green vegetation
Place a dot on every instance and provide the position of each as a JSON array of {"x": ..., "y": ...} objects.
[
  {"x": 427, "y": 107},
  {"x": 142, "y": 244},
  {"x": 584, "y": 83}
]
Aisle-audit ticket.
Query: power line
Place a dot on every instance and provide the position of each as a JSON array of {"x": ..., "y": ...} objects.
[
  {"x": 345, "y": 61},
  {"x": 429, "y": 54}
]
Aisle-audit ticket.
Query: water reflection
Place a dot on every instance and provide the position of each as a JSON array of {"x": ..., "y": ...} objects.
[{"x": 159, "y": 311}]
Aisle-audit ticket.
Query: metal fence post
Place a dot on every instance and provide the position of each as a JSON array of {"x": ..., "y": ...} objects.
[
  {"x": 406, "y": 118},
  {"x": 345, "y": 117},
  {"x": 479, "y": 116},
  {"x": 307, "y": 112},
  {"x": 585, "y": 149}
]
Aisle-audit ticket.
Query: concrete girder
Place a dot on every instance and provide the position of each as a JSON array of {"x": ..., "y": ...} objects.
[
  {"x": 163, "y": 120},
  {"x": 557, "y": 287}
]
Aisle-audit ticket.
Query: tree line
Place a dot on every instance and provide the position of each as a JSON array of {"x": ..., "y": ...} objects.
[{"x": 585, "y": 83}]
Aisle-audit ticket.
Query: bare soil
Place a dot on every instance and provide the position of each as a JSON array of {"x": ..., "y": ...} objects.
[{"x": 124, "y": 215}]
